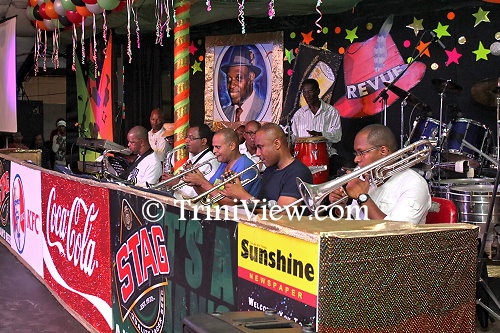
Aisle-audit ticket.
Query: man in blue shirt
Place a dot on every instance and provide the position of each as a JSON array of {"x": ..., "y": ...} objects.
[{"x": 226, "y": 149}]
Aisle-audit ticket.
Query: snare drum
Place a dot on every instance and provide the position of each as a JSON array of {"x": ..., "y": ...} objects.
[
  {"x": 472, "y": 131},
  {"x": 425, "y": 129},
  {"x": 442, "y": 189},
  {"x": 313, "y": 152}
]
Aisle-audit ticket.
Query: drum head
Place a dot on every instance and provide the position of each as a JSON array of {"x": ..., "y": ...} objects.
[
  {"x": 312, "y": 139},
  {"x": 482, "y": 189}
]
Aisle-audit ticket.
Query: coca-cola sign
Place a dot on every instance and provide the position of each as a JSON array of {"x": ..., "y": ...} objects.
[{"x": 77, "y": 258}]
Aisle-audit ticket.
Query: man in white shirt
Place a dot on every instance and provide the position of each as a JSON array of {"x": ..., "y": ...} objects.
[
  {"x": 156, "y": 135},
  {"x": 146, "y": 169},
  {"x": 198, "y": 142},
  {"x": 318, "y": 118},
  {"x": 403, "y": 197},
  {"x": 248, "y": 147}
]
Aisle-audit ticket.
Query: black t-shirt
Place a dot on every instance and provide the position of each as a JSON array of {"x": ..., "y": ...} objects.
[{"x": 276, "y": 183}]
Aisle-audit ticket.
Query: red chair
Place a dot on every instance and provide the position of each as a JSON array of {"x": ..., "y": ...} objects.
[{"x": 442, "y": 211}]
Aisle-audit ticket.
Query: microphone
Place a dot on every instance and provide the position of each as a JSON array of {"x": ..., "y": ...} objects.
[{"x": 437, "y": 40}]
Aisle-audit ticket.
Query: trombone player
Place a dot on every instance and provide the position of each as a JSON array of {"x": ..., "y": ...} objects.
[
  {"x": 403, "y": 197},
  {"x": 225, "y": 143}
]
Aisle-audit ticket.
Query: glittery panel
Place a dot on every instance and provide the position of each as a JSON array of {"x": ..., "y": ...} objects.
[
  {"x": 400, "y": 283},
  {"x": 276, "y": 38}
]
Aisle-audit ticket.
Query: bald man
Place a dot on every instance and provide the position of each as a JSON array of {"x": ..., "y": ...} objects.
[
  {"x": 248, "y": 147},
  {"x": 157, "y": 141},
  {"x": 146, "y": 169},
  {"x": 282, "y": 169},
  {"x": 225, "y": 143}
]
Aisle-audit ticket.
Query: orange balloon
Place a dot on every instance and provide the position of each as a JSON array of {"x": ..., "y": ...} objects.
[
  {"x": 41, "y": 25},
  {"x": 82, "y": 10},
  {"x": 33, "y": 3},
  {"x": 50, "y": 11}
]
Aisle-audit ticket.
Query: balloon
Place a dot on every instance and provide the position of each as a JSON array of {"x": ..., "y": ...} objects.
[
  {"x": 94, "y": 9},
  {"x": 33, "y": 3},
  {"x": 48, "y": 23},
  {"x": 57, "y": 24},
  {"x": 39, "y": 2},
  {"x": 40, "y": 25},
  {"x": 36, "y": 13},
  {"x": 73, "y": 16},
  {"x": 29, "y": 13},
  {"x": 41, "y": 11},
  {"x": 82, "y": 10},
  {"x": 68, "y": 5},
  {"x": 78, "y": 2},
  {"x": 58, "y": 7},
  {"x": 50, "y": 11},
  {"x": 120, "y": 6},
  {"x": 108, "y": 4},
  {"x": 90, "y": 2},
  {"x": 64, "y": 21},
  {"x": 88, "y": 21}
]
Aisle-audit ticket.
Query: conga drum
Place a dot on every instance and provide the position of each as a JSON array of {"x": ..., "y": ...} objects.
[
  {"x": 312, "y": 151},
  {"x": 442, "y": 189}
]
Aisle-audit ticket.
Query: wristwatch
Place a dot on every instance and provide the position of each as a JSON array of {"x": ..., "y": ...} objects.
[
  {"x": 250, "y": 201},
  {"x": 363, "y": 197}
]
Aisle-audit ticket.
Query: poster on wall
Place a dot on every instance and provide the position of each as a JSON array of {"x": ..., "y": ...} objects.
[
  {"x": 244, "y": 78},
  {"x": 5, "y": 199},
  {"x": 26, "y": 215},
  {"x": 279, "y": 272},
  {"x": 76, "y": 247},
  {"x": 168, "y": 265}
]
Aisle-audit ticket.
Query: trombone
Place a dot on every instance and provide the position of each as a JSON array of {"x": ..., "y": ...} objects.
[
  {"x": 205, "y": 199},
  {"x": 378, "y": 172},
  {"x": 180, "y": 175}
]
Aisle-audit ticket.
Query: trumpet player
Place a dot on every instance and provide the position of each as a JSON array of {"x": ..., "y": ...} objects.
[
  {"x": 198, "y": 142},
  {"x": 278, "y": 180},
  {"x": 403, "y": 197},
  {"x": 225, "y": 143}
]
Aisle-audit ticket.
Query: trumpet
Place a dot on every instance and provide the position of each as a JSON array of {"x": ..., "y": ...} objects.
[
  {"x": 377, "y": 171},
  {"x": 180, "y": 175},
  {"x": 205, "y": 199}
]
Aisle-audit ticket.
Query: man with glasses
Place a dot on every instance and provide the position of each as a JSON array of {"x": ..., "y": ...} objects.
[
  {"x": 199, "y": 143},
  {"x": 248, "y": 147},
  {"x": 318, "y": 118},
  {"x": 403, "y": 197}
]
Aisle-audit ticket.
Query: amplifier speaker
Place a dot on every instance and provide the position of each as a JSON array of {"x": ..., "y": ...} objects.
[{"x": 237, "y": 322}]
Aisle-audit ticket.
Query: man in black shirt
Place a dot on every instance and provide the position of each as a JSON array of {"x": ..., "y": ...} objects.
[{"x": 282, "y": 169}]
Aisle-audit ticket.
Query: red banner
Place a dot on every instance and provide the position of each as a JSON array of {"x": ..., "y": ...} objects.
[{"x": 76, "y": 247}]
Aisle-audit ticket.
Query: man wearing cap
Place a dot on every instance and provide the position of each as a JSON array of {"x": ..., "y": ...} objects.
[
  {"x": 318, "y": 118},
  {"x": 59, "y": 143},
  {"x": 157, "y": 135},
  {"x": 241, "y": 73}
]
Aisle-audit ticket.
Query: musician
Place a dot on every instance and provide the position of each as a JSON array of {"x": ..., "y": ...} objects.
[
  {"x": 240, "y": 131},
  {"x": 403, "y": 197},
  {"x": 198, "y": 142},
  {"x": 248, "y": 147},
  {"x": 278, "y": 180},
  {"x": 318, "y": 118},
  {"x": 147, "y": 167},
  {"x": 156, "y": 135},
  {"x": 225, "y": 143}
]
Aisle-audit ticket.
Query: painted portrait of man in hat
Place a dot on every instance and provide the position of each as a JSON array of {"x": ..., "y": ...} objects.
[{"x": 243, "y": 87}]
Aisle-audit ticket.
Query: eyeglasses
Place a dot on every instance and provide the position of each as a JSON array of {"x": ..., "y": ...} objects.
[
  {"x": 250, "y": 133},
  {"x": 362, "y": 153},
  {"x": 192, "y": 139}
]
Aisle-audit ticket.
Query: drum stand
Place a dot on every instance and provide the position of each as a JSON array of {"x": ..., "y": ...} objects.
[
  {"x": 439, "y": 145},
  {"x": 402, "y": 124}
]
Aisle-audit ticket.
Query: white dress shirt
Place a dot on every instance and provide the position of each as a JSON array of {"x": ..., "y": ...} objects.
[
  {"x": 188, "y": 191},
  {"x": 159, "y": 143},
  {"x": 326, "y": 120}
]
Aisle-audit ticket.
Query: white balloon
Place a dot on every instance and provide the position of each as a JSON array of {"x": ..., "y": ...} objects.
[
  {"x": 95, "y": 8},
  {"x": 39, "y": 2},
  {"x": 58, "y": 7},
  {"x": 49, "y": 24}
]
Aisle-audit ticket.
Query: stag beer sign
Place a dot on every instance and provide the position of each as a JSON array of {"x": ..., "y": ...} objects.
[
  {"x": 25, "y": 210},
  {"x": 77, "y": 247}
]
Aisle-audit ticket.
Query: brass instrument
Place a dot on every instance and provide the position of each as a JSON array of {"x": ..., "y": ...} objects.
[
  {"x": 180, "y": 175},
  {"x": 205, "y": 199},
  {"x": 377, "y": 171}
]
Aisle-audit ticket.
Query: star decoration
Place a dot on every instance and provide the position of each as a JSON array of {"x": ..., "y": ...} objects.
[
  {"x": 192, "y": 48},
  {"x": 441, "y": 30},
  {"x": 416, "y": 25},
  {"x": 196, "y": 67},
  {"x": 453, "y": 56},
  {"x": 481, "y": 16},
  {"x": 422, "y": 46},
  {"x": 307, "y": 38},
  {"x": 289, "y": 55},
  {"x": 351, "y": 34},
  {"x": 481, "y": 52}
]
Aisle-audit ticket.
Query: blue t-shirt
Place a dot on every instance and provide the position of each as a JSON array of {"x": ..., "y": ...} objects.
[
  {"x": 241, "y": 164},
  {"x": 276, "y": 183}
]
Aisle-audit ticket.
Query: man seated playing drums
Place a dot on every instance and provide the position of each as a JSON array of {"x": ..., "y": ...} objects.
[
  {"x": 403, "y": 197},
  {"x": 282, "y": 169},
  {"x": 318, "y": 118},
  {"x": 225, "y": 143}
]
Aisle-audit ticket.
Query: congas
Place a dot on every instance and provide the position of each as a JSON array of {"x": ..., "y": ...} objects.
[
  {"x": 473, "y": 203},
  {"x": 472, "y": 131},
  {"x": 425, "y": 128},
  {"x": 313, "y": 152},
  {"x": 442, "y": 189}
]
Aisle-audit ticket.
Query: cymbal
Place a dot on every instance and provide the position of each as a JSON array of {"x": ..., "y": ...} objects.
[
  {"x": 486, "y": 91},
  {"x": 443, "y": 85},
  {"x": 412, "y": 99}
]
